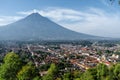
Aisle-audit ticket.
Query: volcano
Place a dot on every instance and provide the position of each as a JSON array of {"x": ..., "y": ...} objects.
[{"x": 37, "y": 27}]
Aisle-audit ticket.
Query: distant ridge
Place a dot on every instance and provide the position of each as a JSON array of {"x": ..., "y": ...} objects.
[{"x": 37, "y": 27}]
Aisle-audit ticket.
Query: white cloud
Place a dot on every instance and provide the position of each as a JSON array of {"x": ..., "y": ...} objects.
[
  {"x": 97, "y": 22},
  {"x": 28, "y": 12},
  {"x": 56, "y": 14},
  {"x": 91, "y": 21},
  {"x": 4, "y": 20}
]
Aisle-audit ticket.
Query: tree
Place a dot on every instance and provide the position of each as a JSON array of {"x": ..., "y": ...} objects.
[
  {"x": 37, "y": 78},
  {"x": 102, "y": 71},
  {"x": 87, "y": 76},
  {"x": 48, "y": 77},
  {"x": 117, "y": 71},
  {"x": 53, "y": 69},
  {"x": 52, "y": 73},
  {"x": 58, "y": 79},
  {"x": 27, "y": 72},
  {"x": 10, "y": 67},
  {"x": 111, "y": 73},
  {"x": 76, "y": 74},
  {"x": 67, "y": 76},
  {"x": 44, "y": 67},
  {"x": 93, "y": 72},
  {"x": 112, "y": 1}
]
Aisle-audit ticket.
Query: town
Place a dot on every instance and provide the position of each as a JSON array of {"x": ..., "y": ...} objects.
[{"x": 69, "y": 56}]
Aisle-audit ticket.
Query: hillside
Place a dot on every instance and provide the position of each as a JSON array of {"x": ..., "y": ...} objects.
[{"x": 37, "y": 27}]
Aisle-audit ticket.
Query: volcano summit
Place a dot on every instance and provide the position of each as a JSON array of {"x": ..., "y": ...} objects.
[{"x": 37, "y": 27}]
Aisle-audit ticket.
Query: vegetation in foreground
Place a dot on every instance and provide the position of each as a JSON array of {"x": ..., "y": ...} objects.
[{"x": 14, "y": 68}]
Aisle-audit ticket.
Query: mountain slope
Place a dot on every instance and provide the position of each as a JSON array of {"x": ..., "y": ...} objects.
[{"x": 35, "y": 27}]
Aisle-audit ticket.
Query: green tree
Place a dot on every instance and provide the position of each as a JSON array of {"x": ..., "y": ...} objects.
[
  {"x": 117, "y": 71},
  {"x": 76, "y": 74},
  {"x": 58, "y": 79},
  {"x": 111, "y": 73},
  {"x": 113, "y": 1},
  {"x": 27, "y": 72},
  {"x": 93, "y": 72},
  {"x": 87, "y": 76},
  {"x": 102, "y": 71},
  {"x": 67, "y": 76},
  {"x": 10, "y": 67},
  {"x": 52, "y": 73},
  {"x": 37, "y": 78}
]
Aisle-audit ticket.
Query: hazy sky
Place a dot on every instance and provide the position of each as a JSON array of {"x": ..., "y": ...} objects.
[{"x": 96, "y": 17}]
